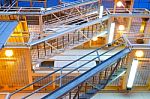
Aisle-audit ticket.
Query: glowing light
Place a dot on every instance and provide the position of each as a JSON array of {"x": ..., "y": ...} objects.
[
  {"x": 139, "y": 53},
  {"x": 9, "y": 53},
  {"x": 111, "y": 33},
  {"x": 132, "y": 73},
  {"x": 121, "y": 28},
  {"x": 119, "y": 4},
  {"x": 101, "y": 12},
  {"x": 94, "y": 38}
]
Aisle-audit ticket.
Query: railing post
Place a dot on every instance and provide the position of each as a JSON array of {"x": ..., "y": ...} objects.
[
  {"x": 83, "y": 34},
  {"x": 44, "y": 49},
  {"x": 51, "y": 47},
  {"x": 60, "y": 83},
  {"x": 78, "y": 35},
  {"x": 38, "y": 52},
  {"x": 88, "y": 32},
  {"x": 68, "y": 38},
  {"x": 70, "y": 95},
  {"x": 57, "y": 43},
  {"x": 73, "y": 37},
  {"x": 92, "y": 30},
  {"x": 98, "y": 56},
  {"x": 63, "y": 42}
]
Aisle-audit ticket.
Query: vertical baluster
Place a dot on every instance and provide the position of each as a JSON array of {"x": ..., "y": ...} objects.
[
  {"x": 38, "y": 52},
  {"x": 70, "y": 95},
  {"x": 92, "y": 30},
  {"x": 60, "y": 84},
  {"x": 44, "y": 49},
  {"x": 93, "y": 81},
  {"x": 73, "y": 37},
  {"x": 98, "y": 56},
  {"x": 79, "y": 91},
  {"x": 78, "y": 35},
  {"x": 85, "y": 87},
  {"x": 106, "y": 73},
  {"x": 99, "y": 77},
  {"x": 63, "y": 42},
  {"x": 88, "y": 32},
  {"x": 51, "y": 47},
  {"x": 83, "y": 33},
  {"x": 96, "y": 29},
  {"x": 68, "y": 38},
  {"x": 57, "y": 43}
]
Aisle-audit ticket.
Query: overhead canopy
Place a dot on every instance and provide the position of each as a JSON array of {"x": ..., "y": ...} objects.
[{"x": 6, "y": 29}]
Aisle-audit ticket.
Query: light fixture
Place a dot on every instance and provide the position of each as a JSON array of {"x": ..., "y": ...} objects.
[
  {"x": 94, "y": 38},
  {"x": 119, "y": 4},
  {"x": 9, "y": 53},
  {"x": 132, "y": 73},
  {"x": 121, "y": 28},
  {"x": 111, "y": 32},
  {"x": 139, "y": 53},
  {"x": 101, "y": 11}
]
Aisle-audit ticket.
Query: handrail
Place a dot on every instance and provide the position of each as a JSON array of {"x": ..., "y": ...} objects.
[
  {"x": 68, "y": 30},
  {"x": 65, "y": 67},
  {"x": 58, "y": 78},
  {"x": 43, "y": 10}
]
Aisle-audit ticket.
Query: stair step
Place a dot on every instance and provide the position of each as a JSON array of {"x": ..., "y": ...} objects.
[
  {"x": 61, "y": 50},
  {"x": 118, "y": 71},
  {"x": 85, "y": 96},
  {"x": 92, "y": 91},
  {"x": 103, "y": 82}
]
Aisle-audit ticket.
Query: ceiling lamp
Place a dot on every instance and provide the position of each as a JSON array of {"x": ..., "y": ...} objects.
[
  {"x": 119, "y": 4},
  {"x": 132, "y": 74},
  {"x": 121, "y": 28},
  {"x": 139, "y": 53},
  {"x": 94, "y": 38},
  {"x": 111, "y": 33},
  {"x": 9, "y": 53}
]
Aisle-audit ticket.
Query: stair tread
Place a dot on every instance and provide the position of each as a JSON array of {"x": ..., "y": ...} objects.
[
  {"x": 92, "y": 91},
  {"x": 85, "y": 96}
]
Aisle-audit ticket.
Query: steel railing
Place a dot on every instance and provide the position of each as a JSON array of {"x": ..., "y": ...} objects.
[
  {"x": 40, "y": 11},
  {"x": 60, "y": 71}
]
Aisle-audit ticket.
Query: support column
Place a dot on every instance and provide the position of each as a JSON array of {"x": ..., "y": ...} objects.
[
  {"x": 16, "y": 3},
  {"x": 148, "y": 83},
  {"x": 115, "y": 5},
  {"x": 54, "y": 84},
  {"x": 41, "y": 24},
  {"x": 29, "y": 67},
  {"x": 130, "y": 6},
  {"x": 30, "y": 3},
  {"x": 59, "y": 2},
  {"x": 129, "y": 24},
  {"x": 143, "y": 25},
  {"x": 45, "y": 3}
]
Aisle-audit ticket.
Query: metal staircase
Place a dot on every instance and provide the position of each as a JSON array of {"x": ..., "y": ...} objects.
[
  {"x": 58, "y": 43},
  {"x": 115, "y": 74},
  {"x": 66, "y": 34},
  {"x": 66, "y": 26},
  {"x": 86, "y": 83}
]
